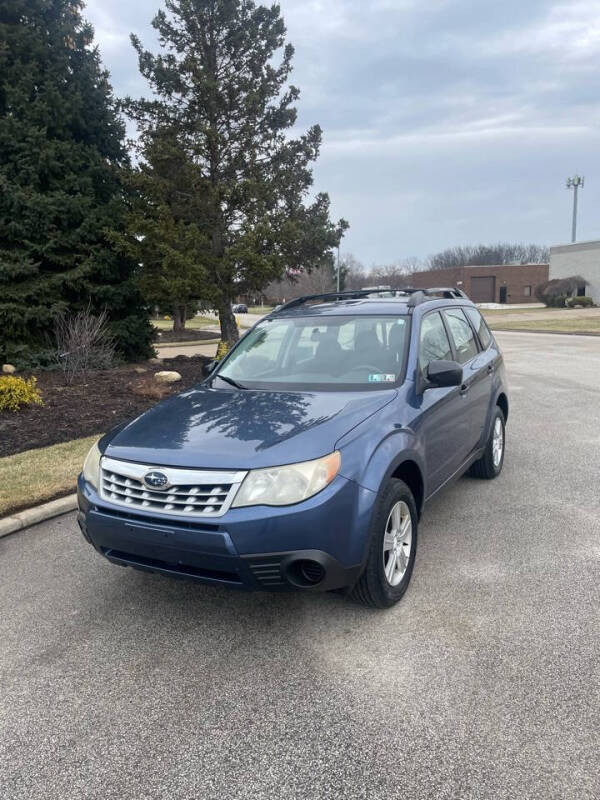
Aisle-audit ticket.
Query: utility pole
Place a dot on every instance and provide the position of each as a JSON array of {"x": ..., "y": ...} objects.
[
  {"x": 338, "y": 268},
  {"x": 575, "y": 183}
]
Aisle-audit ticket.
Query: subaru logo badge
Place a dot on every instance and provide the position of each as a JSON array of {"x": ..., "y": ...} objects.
[{"x": 157, "y": 481}]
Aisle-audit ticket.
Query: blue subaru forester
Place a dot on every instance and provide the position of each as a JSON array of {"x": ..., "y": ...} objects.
[{"x": 305, "y": 458}]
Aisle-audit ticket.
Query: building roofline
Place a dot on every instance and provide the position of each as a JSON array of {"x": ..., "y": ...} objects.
[
  {"x": 483, "y": 266},
  {"x": 503, "y": 266},
  {"x": 574, "y": 245}
]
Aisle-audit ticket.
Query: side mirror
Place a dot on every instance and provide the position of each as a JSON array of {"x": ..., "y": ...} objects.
[
  {"x": 444, "y": 373},
  {"x": 209, "y": 368}
]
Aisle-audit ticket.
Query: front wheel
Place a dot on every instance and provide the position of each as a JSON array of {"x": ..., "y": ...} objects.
[
  {"x": 392, "y": 549},
  {"x": 490, "y": 464}
]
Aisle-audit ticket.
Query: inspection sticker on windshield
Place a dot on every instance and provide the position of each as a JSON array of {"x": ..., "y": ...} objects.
[{"x": 381, "y": 377}]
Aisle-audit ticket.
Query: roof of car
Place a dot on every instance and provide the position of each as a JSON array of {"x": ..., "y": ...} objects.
[{"x": 369, "y": 302}]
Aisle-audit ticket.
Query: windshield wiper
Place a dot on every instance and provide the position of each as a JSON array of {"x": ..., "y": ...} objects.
[{"x": 230, "y": 381}]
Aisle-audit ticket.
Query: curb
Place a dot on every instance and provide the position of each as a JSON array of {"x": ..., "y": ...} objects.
[
  {"x": 31, "y": 516},
  {"x": 546, "y": 331}
]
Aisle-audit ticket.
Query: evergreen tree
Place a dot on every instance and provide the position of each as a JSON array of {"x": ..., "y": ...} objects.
[
  {"x": 161, "y": 230},
  {"x": 61, "y": 193},
  {"x": 223, "y": 105}
]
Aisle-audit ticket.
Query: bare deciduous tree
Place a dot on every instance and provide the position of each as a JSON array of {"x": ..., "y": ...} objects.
[{"x": 486, "y": 255}]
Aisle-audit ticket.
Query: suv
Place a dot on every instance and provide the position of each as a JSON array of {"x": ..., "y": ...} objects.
[{"x": 305, "y": 458}]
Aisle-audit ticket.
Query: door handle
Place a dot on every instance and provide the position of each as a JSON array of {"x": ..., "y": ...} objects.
[
  {"x": 464, "y": 389},
  {"x": 490, "y": 368}
]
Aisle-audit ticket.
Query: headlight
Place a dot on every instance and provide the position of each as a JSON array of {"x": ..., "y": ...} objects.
[
  {"x": 91, "y": 466},
  {"x": 283, "y": 486}
]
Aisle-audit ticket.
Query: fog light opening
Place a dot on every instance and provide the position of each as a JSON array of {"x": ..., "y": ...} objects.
[{"x": 306, "y": 572}]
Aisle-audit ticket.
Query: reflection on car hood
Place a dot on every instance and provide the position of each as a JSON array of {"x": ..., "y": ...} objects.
[{"x": 216, "y": 429}]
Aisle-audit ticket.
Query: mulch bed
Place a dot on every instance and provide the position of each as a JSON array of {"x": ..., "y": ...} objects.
[{"x": 105, "y": 399}]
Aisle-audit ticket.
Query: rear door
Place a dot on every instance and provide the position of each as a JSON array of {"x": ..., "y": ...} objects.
[
  {"x": 477, "y": 378},
  {"x": 443, "y": 426},
  {"x": 486, "y": 361}
]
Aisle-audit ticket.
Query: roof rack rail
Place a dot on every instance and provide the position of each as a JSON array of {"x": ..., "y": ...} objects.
[
  {"x": 446, "y": 292},
  {"x": 415, "y": 296},
  {"x": 351, "y": 294}
]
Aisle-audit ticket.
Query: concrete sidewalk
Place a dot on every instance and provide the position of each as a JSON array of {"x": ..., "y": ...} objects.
[{"x": 208, "y": 349}]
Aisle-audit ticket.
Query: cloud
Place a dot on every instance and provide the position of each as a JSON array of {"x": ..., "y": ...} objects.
[{"x": 445, "y": 122}]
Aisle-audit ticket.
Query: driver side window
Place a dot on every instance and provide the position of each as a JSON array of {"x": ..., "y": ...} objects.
[
  {"x": 462, "y": 333},
  {"x": 433, "y": 342}
]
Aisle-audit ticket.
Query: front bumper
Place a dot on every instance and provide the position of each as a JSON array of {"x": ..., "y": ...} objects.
[{"x": 317, "y": 545}]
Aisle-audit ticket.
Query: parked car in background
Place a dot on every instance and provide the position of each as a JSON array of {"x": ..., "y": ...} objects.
[
  {"x": 240, "y": 308},
  {"x": 305, "y": 459}
]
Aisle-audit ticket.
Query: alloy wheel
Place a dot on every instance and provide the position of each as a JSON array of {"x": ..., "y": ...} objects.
[
  {"x": 397, "y": 543},
  {"x": 497, "y": 442}
]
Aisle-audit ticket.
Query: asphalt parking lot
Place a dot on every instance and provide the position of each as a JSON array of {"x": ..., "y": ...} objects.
[{"x": 483, "y": 683}]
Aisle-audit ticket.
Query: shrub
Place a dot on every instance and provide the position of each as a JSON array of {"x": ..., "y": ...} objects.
[
  {"x": 83, "y": 342},
  {"x": 554, "y": 293},
  {"x": 222, "y": 350},
  {"x": 17, "y": 392},
  {"x": 26, "y": 360},
  {"x": 584, "y": 302}
]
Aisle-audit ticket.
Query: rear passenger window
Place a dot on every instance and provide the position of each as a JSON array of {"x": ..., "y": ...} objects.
[
  {"x": 462, "y": 333},
  {"x": 433, "y": 343},
  {"x": 478, "y": 322}
]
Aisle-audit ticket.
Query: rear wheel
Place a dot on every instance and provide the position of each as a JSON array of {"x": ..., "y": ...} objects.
[
  {"x": 490, "y": 464},
  {"x": 392, "y": 549}
]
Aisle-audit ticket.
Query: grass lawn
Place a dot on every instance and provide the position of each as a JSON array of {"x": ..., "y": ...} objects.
[
  {"x": 502, "y": 312},
  {"x": 564, "y": 324},
  {"x": 194, "y": 323},
  {"x": 260, "y": 309},
  {"x": 36, "y": 476}
]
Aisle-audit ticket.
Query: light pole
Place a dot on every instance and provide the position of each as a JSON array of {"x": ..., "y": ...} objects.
[
  {"x": 338, "y": 268},
  {"x": 575, "y": 183}
]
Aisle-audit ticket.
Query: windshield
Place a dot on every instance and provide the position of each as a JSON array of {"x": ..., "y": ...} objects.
[{"x": 316, "y": 352}]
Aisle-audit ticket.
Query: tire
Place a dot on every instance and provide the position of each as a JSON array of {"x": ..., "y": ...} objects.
[
  {"x": 489, "y": 466},
  {"x": 394, "y": 505}
]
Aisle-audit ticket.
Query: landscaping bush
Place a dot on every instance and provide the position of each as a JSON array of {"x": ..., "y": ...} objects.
[
  {"x": 25, "y": 360},
  {"x": 554, "y": 293},
  {"x": 584, "y": 302},
  {"x": 83, "y": 342},
  {"x": 18, "y": 392},
  {"x": 222, "y": 349}
]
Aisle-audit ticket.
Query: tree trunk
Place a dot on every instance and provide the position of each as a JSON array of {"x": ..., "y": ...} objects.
[
  {"x": 179, "y": 318},
  {"x": 229, "y": 329}
]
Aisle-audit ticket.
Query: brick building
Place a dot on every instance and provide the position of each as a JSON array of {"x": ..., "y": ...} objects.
[{"x": 488, "y": 284}]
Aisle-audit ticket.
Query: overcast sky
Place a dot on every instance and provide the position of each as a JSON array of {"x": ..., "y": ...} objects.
[{"x": 445, "y": 122}]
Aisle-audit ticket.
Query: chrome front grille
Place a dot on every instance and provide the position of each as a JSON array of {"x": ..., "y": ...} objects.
[{"x": 189, "y": 492}]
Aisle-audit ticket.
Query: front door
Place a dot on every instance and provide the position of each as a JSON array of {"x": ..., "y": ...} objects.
[
  {"x": 443, "y": 426},
  {"x": 503, "y": 291}
]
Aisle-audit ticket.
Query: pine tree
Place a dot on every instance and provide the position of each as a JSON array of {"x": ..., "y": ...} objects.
[
  {"x": 61, "y": 195},
  {"x": 161, "y": 232},
  {"x": 224, "y": 106}
]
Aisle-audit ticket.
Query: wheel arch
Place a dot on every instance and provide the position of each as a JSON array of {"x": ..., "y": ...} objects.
[
  {"x": 502, "y": 402},
  {"x": 410, "y": 472}
]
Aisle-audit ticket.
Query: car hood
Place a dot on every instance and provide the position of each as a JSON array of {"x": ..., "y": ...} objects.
[{"x": 222, "y": 429}]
